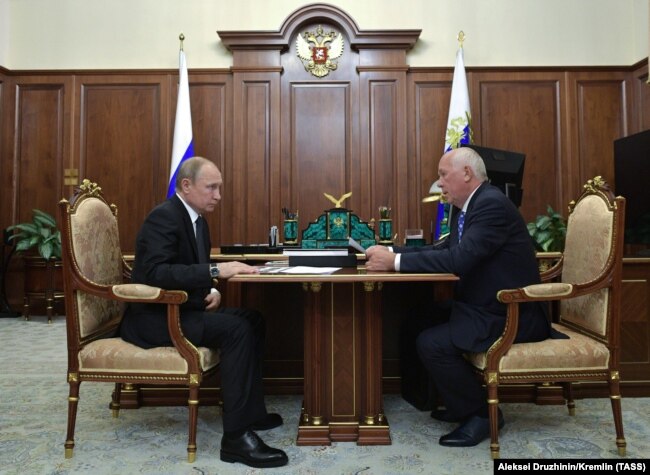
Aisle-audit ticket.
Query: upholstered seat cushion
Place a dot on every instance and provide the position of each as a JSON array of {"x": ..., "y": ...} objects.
[
  {"x": 117, "y": 355},
  {"x": 579, "y": 353}
]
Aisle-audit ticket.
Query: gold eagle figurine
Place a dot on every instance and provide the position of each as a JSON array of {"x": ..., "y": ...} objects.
[{"x": 337, "y": 203}]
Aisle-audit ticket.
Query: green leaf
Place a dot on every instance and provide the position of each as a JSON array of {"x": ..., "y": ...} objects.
[
  {"x": 44, "y": 218},
  {"x": 23, "y": 246},
  {"x": 45, "y": 250},
  {"x": 26, "y": 227}
]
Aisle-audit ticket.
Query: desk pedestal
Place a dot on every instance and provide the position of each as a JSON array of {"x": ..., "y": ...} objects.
[{"x": 343, "y": 365}]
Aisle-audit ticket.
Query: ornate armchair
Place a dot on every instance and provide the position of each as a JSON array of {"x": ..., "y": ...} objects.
[
  {"x": 95, "y": 293},
  {"x": 588, "y": 285}
]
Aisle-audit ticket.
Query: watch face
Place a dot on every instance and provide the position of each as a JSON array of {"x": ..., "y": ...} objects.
[{"x": 214, "y": 271}]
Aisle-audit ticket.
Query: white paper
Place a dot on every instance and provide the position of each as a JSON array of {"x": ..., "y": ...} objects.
[
  {"x": 298, "y": 270},
  {"x": 356, "y": 246},
  {"x": 315, "y": 252},
  {"x": 310, "y": 270}
]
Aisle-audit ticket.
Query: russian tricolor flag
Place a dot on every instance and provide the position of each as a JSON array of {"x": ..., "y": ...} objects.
[{"x": 183, "y": 146}]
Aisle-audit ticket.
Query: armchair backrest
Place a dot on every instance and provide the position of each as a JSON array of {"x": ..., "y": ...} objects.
[
  {"x": 593, "y": 253},
  {"x": 91, "y": 254}
]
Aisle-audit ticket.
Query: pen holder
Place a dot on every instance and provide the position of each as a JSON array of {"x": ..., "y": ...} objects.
[
  {"x": 385, "y": 231},
  {"x": 290, "y": 231}
]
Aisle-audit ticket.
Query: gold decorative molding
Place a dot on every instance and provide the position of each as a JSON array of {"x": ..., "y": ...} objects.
[{"x": 93, "y": 189}]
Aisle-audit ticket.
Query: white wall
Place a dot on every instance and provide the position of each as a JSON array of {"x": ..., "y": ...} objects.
[
  {"x": 143, "y": 34},
  {"x": 4, "y": 32}
]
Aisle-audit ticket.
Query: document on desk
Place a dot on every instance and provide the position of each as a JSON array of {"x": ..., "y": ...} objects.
[
  {"x": 298, "y": 270},
  {"x": 356, "y": 246}
]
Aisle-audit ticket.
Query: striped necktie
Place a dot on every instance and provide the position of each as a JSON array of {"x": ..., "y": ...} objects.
[{"x": 461, "y": 223}]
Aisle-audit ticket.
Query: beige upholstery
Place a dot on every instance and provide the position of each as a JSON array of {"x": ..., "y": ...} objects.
[
  {"x": 95, "y": 292},
  {"x": 116, "y": 355},
  {"x": 588, "y": 286}
]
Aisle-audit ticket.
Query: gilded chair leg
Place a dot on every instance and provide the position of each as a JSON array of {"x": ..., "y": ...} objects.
[
  {"x": 493, "y": 412},
  {"x": 115, "y": 400},
  {"x": 615, "y": 398},
  {"x": 193, "y": 406},
  {"x": 73, "y": 400},
  {"x": 570, "y": 403}
]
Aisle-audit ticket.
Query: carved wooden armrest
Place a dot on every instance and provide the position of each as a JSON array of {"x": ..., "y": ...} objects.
[
  {"x": 535, "y": 292},
  {"x": 147, "y": 293}
]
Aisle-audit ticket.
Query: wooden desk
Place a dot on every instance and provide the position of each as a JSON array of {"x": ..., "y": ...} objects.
[{"x": 343, "y": 352}]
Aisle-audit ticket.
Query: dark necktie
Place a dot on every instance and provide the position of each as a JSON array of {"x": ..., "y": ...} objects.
[
  {"x": 461, "y": 223},
  {"x": 200, "y": 241}
]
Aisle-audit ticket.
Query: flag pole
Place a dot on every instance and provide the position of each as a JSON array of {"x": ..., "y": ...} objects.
[{"x": 183, "y": 142}]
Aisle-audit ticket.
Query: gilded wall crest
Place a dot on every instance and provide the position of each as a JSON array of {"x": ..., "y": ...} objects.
[{"x": 319, "y": 50}]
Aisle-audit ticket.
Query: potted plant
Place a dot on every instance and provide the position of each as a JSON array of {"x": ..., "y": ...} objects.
[
  {"x": 43, "y": 269},
  {"x": 41, "y": 233},
  {"x": 548, "y": 231}
]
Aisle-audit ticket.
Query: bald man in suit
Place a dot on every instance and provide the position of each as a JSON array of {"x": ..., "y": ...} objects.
[
  {"x": 489, "y": 249},
  {"x": 172, "y": 252}
]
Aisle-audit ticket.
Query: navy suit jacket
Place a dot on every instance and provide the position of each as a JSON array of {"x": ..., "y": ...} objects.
[
  {"x": 495, "y": 252},
  {"x": 166, "y": 256}
]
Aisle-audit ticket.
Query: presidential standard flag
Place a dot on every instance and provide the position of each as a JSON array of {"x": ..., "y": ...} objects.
[
  {"x": 183, "y": 146},
  {"x": 459, "y": 120},
  {"x": 459, "y": 129}
]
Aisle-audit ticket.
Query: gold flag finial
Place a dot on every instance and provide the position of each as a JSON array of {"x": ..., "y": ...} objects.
[
  {"x": 460, "y": 38},
  {"x": 181, "y": 37}
]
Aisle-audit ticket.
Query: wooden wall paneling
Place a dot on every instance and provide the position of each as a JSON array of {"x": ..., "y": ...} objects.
[
  {"x": 211, "y": 107},
  {"x": 522, "y": 113},
  {"x": 321, "y": 114},
  {"x": 599, "y": 115},
  {"x": 36, "y": 149},
  {"x": 635, "y": 320},
  {"x": 428, "y": 106},
  {"x": 41, "y": 145},
  {"x": 123, "y": 133},
  {"x": 320, "y": 127},
  {"x": 6, "y": 135},
  {"x": 641, "y": 100},
  {"x": 384, "y": 146},
  {"x": 254, "y": 169}
]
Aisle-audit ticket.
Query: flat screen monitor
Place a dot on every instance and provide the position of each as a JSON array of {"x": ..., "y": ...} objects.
[
  {"x": 632, "y": 172},
  {"x": 505, "y": 170}
]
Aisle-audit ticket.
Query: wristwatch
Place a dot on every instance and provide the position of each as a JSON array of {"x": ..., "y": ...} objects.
[{"x": 214, "y": 270}]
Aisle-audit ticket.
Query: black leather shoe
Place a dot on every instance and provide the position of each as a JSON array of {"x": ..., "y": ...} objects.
[
  {"x": 271, "y": 421},
  {"x": 472, "y": 432},
  {"x": 444, "y": 415},
  {"x": 250, "y": 450}
]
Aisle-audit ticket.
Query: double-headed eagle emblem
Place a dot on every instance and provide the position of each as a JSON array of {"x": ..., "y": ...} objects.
[{"x": 319, "y": 50}]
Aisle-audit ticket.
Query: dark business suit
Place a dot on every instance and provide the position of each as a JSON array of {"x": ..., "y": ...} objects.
[
  {"x": 166, "y": 256},
  {"x": 495, "y": 253}
]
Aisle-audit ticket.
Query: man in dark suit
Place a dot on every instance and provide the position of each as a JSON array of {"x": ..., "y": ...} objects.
[
  {"x": 489, "y": 249},
  {"x": 172, "y": 252}
]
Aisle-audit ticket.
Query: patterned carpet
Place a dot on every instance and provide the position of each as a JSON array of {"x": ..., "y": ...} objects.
[{"x": 153, "y": 440}]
